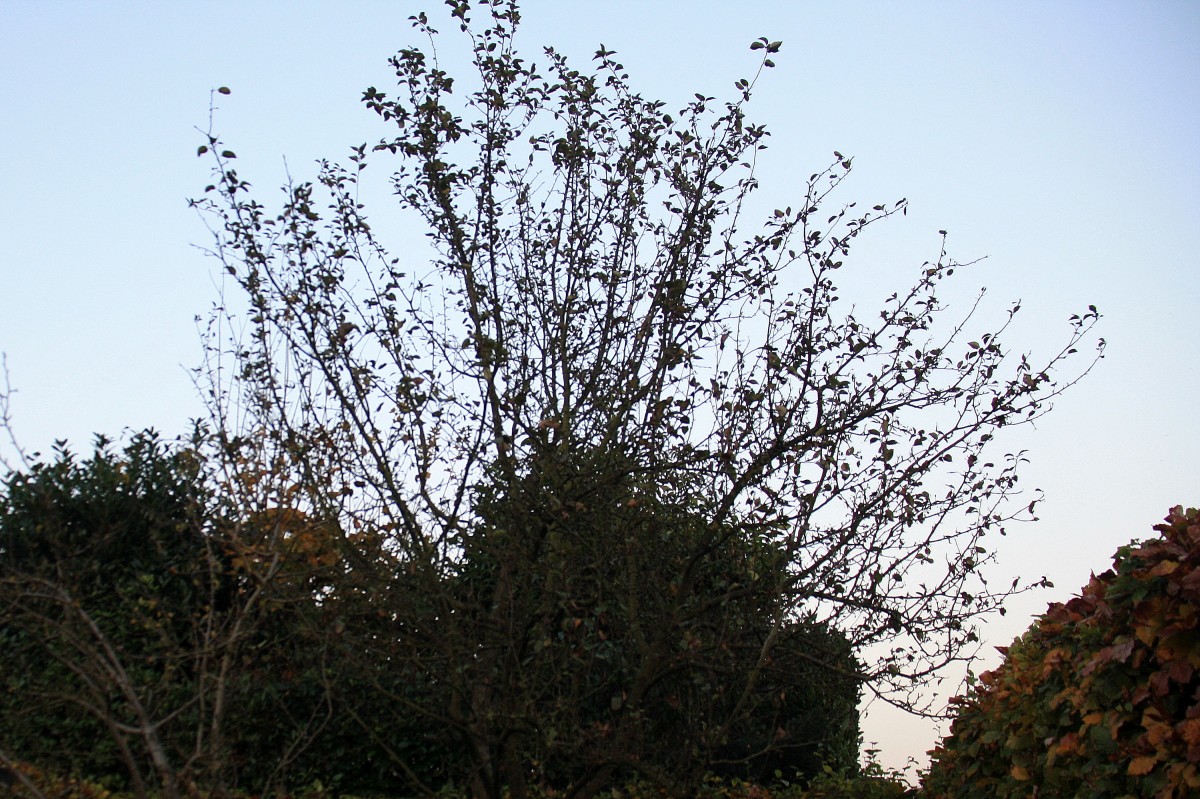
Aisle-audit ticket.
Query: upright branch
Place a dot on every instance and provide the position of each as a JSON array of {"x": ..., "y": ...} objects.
[{"x": 22, "y": 458}]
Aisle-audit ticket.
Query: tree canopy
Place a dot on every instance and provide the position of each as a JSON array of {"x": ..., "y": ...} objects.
[{"x": 616, "y": 446}]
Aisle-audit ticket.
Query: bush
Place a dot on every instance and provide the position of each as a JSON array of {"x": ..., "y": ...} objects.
[
  {"x": 873, "y": 782},
  {"x": 111, "y": 535},
  {"x": 1101, "y": 697},
  {"x": 124, "y": 612}
]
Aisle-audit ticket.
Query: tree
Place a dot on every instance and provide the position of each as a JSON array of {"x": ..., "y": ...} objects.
[{"x": 611, "y": 441}]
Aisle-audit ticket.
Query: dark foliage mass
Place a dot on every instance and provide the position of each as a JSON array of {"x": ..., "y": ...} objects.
[
  {"x": 120, "y": 581},
  {"x": 97, "y": 558},
  {"x": 140, "y": 643}
]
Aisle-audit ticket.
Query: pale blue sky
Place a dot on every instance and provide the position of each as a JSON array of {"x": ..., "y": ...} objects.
[{"x": 1058, "y": 139}]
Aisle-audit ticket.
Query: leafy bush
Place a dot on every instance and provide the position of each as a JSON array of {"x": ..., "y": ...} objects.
[
  {"x": 870, "y": 782},
  {"x": 124, "y": 613},
  {"x": 605, "y": 613},
  {"x": 1101, "y": 697},
  {"x": 135, "y": 540},
  {"x": 112, "y": 536},
  {"x": 51, "y": 785}
]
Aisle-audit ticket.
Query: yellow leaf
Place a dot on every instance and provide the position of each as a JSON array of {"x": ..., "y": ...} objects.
[
  {"x": 1164, "y": 568},
  {"x": 1142, "y": 765},
  {"x": 1019, "y": 773}
]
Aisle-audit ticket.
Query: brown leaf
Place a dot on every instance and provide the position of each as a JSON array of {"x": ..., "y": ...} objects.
[
  {"x": 1142, "y": 765},
  {"x": 1190, "y": 731}
]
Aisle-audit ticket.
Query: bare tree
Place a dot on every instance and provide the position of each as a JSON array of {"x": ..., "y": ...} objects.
[{"x": 611, "y": 422}]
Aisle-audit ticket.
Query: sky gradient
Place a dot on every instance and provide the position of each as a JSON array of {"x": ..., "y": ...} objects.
[{"x": 1059, "y": 140}]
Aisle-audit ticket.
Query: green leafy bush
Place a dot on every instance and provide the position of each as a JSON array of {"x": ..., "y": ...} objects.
[
  {"x": 1101, "y": 697},
  {"x": 871, "y": 782},
  {"x": 124, "y": 612},
  {"x": 607, "y": 615},
  {"x": 110, "y": 535}
]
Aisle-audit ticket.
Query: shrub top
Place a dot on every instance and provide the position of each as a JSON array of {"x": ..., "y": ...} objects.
[{"x": 1101, "y": 696}]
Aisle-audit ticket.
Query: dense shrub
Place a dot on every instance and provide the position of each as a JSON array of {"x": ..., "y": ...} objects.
[
  {"x": 112, "y": 534},
  {"x": 805, "y": 716},
  {"x": 119, "y": 597},
  {"x": 1101, "y": 697},
  {"x": 52, "y": 785},
  {"x": 798, "y": 714},
  {"x": 320, "y": 691}
]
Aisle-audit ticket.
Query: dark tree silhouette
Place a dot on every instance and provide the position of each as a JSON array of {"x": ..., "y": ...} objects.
[{"x": 616, "y": 440}]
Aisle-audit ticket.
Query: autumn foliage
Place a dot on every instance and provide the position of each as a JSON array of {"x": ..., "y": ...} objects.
[{"x": 1101, "y": 697}]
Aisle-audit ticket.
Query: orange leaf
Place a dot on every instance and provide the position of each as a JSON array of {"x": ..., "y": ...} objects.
[
  {"x": 1069, "y": 745},
  {"x": 1019, "y": 773},
  {"x": 1189, "y": 730},
  {"x": 1142, "y": 765}
]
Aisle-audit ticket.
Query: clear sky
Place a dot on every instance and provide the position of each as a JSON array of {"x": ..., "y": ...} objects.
[{"x": 1061, "y": 140}]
